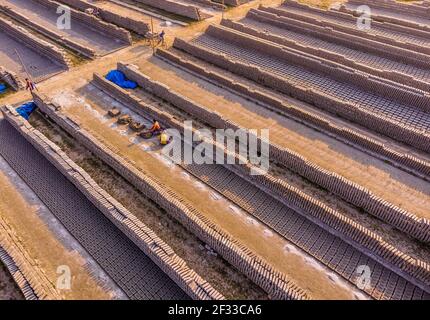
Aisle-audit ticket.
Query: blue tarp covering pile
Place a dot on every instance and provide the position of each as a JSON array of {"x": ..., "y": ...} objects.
[
  {"x": 119, "y": 78},
  {"x": 2, "y": 88},
  {"x": 26, "y": 109}
]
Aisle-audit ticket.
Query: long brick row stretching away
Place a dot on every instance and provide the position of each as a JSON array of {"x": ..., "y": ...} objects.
[
  {"x": 345, "y": 38},
  {"x": 124, "y": 262},
  {"x": 73, "y": 45},
  {"x": 176, "y": 7},
  {"x": 397, "y": 35},
  {"x": 11, "y": 78},
  {"x": 92, "y": 22},
  {"x": 393, "y": 12},
  {"x": 404, "y": 160},
  {"x": 42, "y": 47},
  {"x": 365, "y": 83},
  {"x": 276, "y": 284},
  {"x": 417, "y": 227},
  {"x": 352, "y": 233},
  {"x": 33, "y": 284},
  {"x": 140, "y": 27},
  {"x": 259, "y": 23},
  {"x": 375, "y": 112},
  {"x": 162, "y": 254}
]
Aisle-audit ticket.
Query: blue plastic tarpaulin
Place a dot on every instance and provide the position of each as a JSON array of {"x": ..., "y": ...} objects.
[
  {"x": 119, "y": 78},
  {"x": 26, "y": 109},
  {"x": 2, "y": 88}
]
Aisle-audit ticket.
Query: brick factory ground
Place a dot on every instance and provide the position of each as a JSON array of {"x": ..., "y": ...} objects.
[{"x": 350, "y": 167}]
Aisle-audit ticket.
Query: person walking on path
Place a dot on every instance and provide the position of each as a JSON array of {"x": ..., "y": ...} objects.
[{"x": 30, "y": 85}]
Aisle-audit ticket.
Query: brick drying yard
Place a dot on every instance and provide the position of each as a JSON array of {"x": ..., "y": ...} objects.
[{"x": 349, "y": 178}]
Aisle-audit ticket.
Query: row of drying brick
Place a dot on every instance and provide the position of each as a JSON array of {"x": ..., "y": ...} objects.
[
  {"x": 11, "y": 78},
  {"x": 276, "y": 284},
  {"x": 414, "y": 9},
  {"x": 343, "y": 17},
  {"x": 269, "y": 186},
  {"x": 406, "y": 95},
  {"x": 92, "y": 22},
  {"x": 351, "y": 192},
  {"x": 73, "y": 45},
  {"x": 395, "y": 76},
  {"x": 42, "y": 47},
  {"x": 173, "y": 265},
  {"x": 346, "y": 39},
  {"x": 31, "y": 282},
  {"x": 329, "y": 249},
  {"x": 138, "y": 26},
  {"x": 386, "y": 18},
  {"x": 381, "y": 36},
  {"x": 407, "y": 162},
  {"x": 335, "y": 220},
  {"x": 350, "y": 111}
]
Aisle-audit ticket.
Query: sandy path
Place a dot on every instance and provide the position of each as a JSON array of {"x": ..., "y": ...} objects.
[
  {"x": 89, "y": 109},
  {"x": 389, "y": 183}
]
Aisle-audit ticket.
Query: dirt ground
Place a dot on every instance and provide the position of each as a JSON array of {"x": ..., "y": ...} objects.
[{"x": 310, "y": 277}]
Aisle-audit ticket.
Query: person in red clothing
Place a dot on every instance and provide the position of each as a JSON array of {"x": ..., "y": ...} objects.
[
  {"x": 29, "y": 85},
  {"x": 155, "y": 127}
]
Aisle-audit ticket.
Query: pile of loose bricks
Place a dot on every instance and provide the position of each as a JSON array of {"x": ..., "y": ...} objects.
[
  {"x": 327, "y": 217},
  {"x": 320, "y": 214},
  {"x": 18, "y": 33},
  {"x": 129, "y": 23},
  {"x": 276, "y": 284},
  {"x": 162, "y": 254}
]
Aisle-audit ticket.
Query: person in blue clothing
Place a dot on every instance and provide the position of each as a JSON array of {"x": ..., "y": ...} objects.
[{"x": 161, "y": 37}]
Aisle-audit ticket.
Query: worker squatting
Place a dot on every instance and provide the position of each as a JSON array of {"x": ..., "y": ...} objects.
[{"x": 199, "y": 147}]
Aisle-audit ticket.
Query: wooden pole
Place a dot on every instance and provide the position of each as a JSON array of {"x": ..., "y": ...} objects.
[
  {"x": 23, "y": 65},
  {"x": 25, "y": 68},
  {"x": 152, "y": 36},
  {"x": 223, "y": 7}
]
